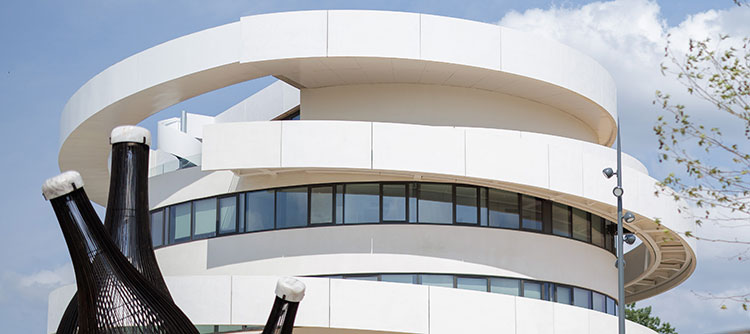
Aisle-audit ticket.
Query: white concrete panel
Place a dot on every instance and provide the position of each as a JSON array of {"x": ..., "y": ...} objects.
[
  {"x": 260, "y": 145},
  {"x": 566, "y": 169},
  {"x": 504, "y": 156},
  {"x": 445, "y": 39},
  {"x": 379, "y": 306},
  {"x": 460, "y": 311},
  {"x": 204, "y": 299},
  {"x": 312, "y": 311},
  {"x": 250, "y": 294},
  {"x": 418, "y": 148},
  {"x": 534, "y": 316},
  {"x": 188, "y": 260},
  {"x": 265, "y": 105},
  {"x": 602, "y": 323},
  {"x": 284, "y": 35},
  {"x": 373, "y": 33},
  {"x": 57, "y": 302},
  {"x": 195, "y": 123},
  {"x": 570, "y": 319},
  {"x": 326, "y": 144}
]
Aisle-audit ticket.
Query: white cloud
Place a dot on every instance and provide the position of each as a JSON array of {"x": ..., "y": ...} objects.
[{"x": 35, "y": 286}]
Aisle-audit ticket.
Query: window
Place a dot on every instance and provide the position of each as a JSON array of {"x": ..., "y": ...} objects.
[
  {"x": 532, "y": 290},
  {"x": 179, "y": 223},
  {"x": 611, "y": 307},
  {"x": 321, "y": 205},
  {"x": 599, "y": 302},
  {"x": 531, "y": 212},
  {"x": 563, "y": 295},
  {"x": 580, "y": 225},
  {"x": 437, "y": 280},
  {"x": 609, "y": 233},
  {"x": 435, "y": 203},
  {"x": 467, "y": 205},
  {"x": 471, "y": 283},
  {"x": 597, "y": 231},
  {"x": 483, "y": 213},
  {"x": 394, "y": 202},
  {"x": 560, "y": 220},
  {"x": 291, "y": 207},
  {"x": 582, "y": 298},
  {"x": 205, "y": 218},
  {"x": 413, "y": 187},
  {"x": 228, "y": 215},
  {"x": 363, "y": 277},
  {"x": 362, "y": 203},
  {"x": 399, "y": 278},
  {"x": 506, "y": 286},
  {"x": 259, "y": 210},
  {"x": 503, "y": 209},
  {"x": 157, "y": 228}
]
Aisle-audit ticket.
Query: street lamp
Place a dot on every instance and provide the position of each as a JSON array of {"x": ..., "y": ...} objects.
[{"x": 629, "y": 217}]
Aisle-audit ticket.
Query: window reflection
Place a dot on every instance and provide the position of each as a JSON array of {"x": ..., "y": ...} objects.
[
  {"x": 438, "y": 280},
  {"x": 561, "y": 220},
  {"x": 157, "y": 228},
  {"x": 179, "y": 223},
  {"x": 531, "y": 213},
  {"x": 362, "y": 203},
  {"x": 291, "y": 207},
  {"x": 259, "y": 210},
  {"x": 471, "y": 283},
  {"x": 597, "y": 231},
  {"x": 321, "y": 205},
  {"x": 227, "y": 215},
  {"x": 563, "y": 295},
  {"x": 394, "y": 202},
  {"x": 503, "y": 208},
  {"x": 580, "y": 225},
  {"x": 435, "y": 203},
  {"x": 599, "y": 302},
  {"x": 466, "y": 205},
  {"x": 532, "y": 290},
  {"x": 581, "y": 297},
  {"x": 399, "y": 278},
  {"x": 506, "y": 286}
]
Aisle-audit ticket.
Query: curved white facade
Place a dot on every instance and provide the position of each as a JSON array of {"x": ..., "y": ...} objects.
[{"x": 415, "y": 121}]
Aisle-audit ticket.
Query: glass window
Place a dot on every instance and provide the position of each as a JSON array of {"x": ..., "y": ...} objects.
[
  {"x": 609, "y": 233},
  {"x": 466, "y": 205},
  {"x": 471, "y": 283},
  {"x": 205, "y": 329},
  {"x": 599, "y": 302},
  {"x": 362, "y": 203},
  {"x": 179, "y": 223},
  {"x": 563, "y": 295},
  {"x": 291, "y": 207},
  {"x": 597, "y": 231},
  {"x": 532, "y": 290},
  {"x": 340, "y": 204},
  {"x": 259, "y": 209},
  {"x": 321, "y": 205},
  {"x": 560, "y": 220},
  {"x": 506, "y": 286},
  {"x": 229, "y": 328},
  {"x": 611, "y": 306},
  {"x": 580, "y": 224},
  {"x": 582, "y": 298},
  {"x": 228, "y": 215},
  {"x": 157, "y": 228},
  {"x": 363, "y": 278},
  {"x": 437, "y": 280},
  {"x": 394, "y": 202},
  {"x": 435, "y": 203},
  {"x": 531, "y": 212},
  {"x": 399, "y": 278},
  {"x": 503, "y": 208},
  {"x": 413, "y": 202},
  {"x": 483, "y": 213},
  {"x": 205, "y": 218}
]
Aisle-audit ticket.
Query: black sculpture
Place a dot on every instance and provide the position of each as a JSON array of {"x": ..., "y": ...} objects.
[
  {"x": 113, "y": 297},
  {"x": 127, "y": 217},
  {"x": 289, "y": 292}
]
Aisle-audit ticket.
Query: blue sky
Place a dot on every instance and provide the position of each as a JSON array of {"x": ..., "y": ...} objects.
[{"x": 48, "y": 49}]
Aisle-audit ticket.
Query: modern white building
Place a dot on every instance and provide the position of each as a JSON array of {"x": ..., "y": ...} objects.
[{"x": 420, "y": 174}]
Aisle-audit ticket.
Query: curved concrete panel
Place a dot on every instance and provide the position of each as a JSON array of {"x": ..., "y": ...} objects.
[
  {"x": 408, "y": 248},
  {"x": 329, "y": 48},
  {"x": 360, "y": 307}
]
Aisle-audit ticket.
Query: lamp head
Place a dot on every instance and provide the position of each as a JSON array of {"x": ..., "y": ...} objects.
[
  {"x": 617, "y": 191},
  {"x": 629, "y": 238},
  {"x": 608, "y": 172},
  {"x": 628, "y": 217}
]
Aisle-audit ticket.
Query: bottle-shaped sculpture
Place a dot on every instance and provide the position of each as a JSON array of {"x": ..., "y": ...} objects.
[
  {"x": 113, "y": 297},
  {"x": 289, "y": 293},
  {"x": 127, "y": 218}
]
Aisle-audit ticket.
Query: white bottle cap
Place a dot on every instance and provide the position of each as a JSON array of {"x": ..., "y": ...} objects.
[
  {"x": 290, "y": 289},
  {"x": 62, "y": 184},
  {"x": 130, "y": 134}
]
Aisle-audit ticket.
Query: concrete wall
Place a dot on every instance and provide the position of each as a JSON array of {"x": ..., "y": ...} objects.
[{"x": 440, "y": 105}]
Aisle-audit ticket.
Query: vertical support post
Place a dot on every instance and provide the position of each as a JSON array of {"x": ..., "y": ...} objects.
[
  {"x": 620, "y": 259},
  {"x": 183, "y": 122}
]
